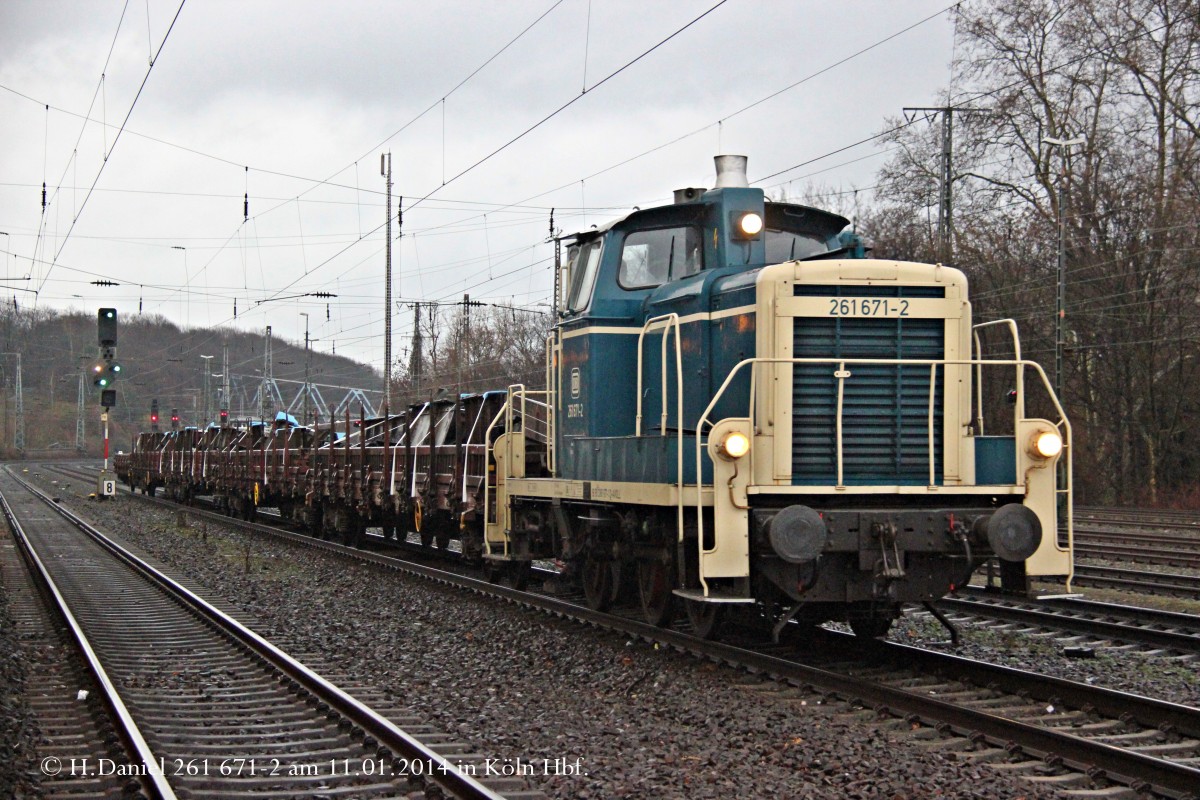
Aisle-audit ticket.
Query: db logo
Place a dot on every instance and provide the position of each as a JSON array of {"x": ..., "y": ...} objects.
[{"x": 575, "y": 383}]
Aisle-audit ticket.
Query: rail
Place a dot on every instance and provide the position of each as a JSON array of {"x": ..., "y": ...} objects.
[
  {"x": 442, "y": 771},
  {"x": 842, "y": 374},
  {"x": 130, "y": 732}
]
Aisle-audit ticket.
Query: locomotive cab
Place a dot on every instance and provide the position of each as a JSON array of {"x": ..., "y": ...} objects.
[{"x": 746, "y": 409}]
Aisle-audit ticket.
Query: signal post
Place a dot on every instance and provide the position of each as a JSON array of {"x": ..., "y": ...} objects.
[{"x": 104, "y": 376}]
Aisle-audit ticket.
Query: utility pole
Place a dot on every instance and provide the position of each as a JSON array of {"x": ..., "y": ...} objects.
[
  {"x": 268, "y": 378},
  {"x": 414, "y": 364},
  {"x": 464, "y": 336},
  {"x": 385, "y": 168},
  {"x": 80, "y": 443},
  {"x": 557, "y": 266},
  {"x": 225, "y": 395},
  {"x": 945, "y": 224},
  {"x": 207, "y": 391},
  {"x": 1061, "y": 311},
  {"x": 19, "y": 432},
  {"x": 307, "y": 366}
]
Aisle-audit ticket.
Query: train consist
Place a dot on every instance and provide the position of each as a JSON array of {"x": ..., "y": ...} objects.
[{"x": 741, "y": 409}]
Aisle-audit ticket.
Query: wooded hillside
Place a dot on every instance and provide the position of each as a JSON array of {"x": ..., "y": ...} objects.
[{"x": 158, "y": 360}]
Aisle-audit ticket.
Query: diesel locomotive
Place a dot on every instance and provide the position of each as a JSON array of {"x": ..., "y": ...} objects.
[{"x": 741, "y": 409}]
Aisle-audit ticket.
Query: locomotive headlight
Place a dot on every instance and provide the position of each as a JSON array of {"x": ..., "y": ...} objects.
[
  {"x": 733, "y": 446},
  {"x": 748, "y": 225},
  {"x": 1045, "y": 444}
]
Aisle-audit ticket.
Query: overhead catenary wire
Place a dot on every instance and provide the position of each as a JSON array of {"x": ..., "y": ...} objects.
[
  {"x": 116, "y": 138},
  {"x": 493, "y": 222}
]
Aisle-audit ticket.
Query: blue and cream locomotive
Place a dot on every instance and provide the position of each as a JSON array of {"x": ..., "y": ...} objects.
[
  {"x": 741, "y": 408},
  {"x": 744, "y": 408}
]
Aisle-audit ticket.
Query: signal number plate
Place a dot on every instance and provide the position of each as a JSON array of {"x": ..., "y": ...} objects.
[{"x": 867, "y": 307}]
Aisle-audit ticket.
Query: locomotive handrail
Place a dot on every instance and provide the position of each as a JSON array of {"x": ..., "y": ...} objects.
[
  {"x": 516, "y": 392},
  {"x": 669, "y": 323},
  {"x": 1019, "y": 406},
  {"x": 1063, "y": 424},
  {"x": 553, "y": 388}
]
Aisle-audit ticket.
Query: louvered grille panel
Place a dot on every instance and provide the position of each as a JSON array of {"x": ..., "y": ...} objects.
[{"x": 885, "y": 408}]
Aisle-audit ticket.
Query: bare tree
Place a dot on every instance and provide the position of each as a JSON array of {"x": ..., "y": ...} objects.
[{"x": 1123, "y": 75}]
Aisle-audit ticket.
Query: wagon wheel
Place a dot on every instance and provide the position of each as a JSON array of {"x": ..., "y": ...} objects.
[
  {"x": 518, "y": 574},
  {"x": 705, "y": 618},
  {"x": 421, "y": 525},
  {"x": 654, "y": 588},
  {"x": 493, "y": 571},
  {"x": 599, "y": 580},
  {"x": 872, "y": 627},
  {"x": 442, "y": 537}
]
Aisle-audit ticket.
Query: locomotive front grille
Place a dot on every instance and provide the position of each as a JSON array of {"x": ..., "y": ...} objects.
[{"x": 885, "y": 411}]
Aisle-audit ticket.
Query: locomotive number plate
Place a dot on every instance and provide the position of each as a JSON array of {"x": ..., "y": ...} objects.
[{"x": 867, "y": 307}]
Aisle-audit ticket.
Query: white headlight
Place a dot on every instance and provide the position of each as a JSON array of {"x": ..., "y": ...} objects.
[
  {"x": 751, "y": 224},
  {"x": 1047, "y": 444},
  {"x": 735, "y": 445}
]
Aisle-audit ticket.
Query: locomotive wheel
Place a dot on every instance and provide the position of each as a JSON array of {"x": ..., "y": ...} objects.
[
  {"x": 654, "y": 589},
  {"x": 493, "y": 571},
  {"x": 705, "y": 618},
  {"x": 599, "y": 580}
]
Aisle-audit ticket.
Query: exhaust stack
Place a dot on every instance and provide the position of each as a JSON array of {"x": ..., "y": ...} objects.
[{"x": 731, "y": 172}]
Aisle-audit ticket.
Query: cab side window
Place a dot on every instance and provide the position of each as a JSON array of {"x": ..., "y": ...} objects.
[
  {"x": 653, "y": 257},
  {"x": 584, "y": 263}
]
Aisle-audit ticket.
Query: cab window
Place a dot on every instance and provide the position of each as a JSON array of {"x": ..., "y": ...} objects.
[
  {"x": 651, "y": 258},
  {"x": 788, "y": 246},
  {"x": 584, "y": 263}
]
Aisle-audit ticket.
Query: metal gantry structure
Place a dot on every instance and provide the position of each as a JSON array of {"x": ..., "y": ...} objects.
[
  {"x": 268, "y": 390},
  {"x": 80, "y": 413},
  {"x": 19, "y": 415}
]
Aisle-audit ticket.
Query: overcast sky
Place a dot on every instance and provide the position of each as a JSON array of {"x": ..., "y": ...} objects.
[{"x": 307, "y": 94}]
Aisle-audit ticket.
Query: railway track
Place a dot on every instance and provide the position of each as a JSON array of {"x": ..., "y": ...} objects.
[
  {"x": 1141, "y": 518},
  {"x": 1146, "y": 552},
  {"x": 1101, "y": 623},
  {"x": 66, "y": 704},
  {"x": 1067, "y": 734},
  {"x": 1141, "y": 581},
  {"x": 210, "y": 709}
]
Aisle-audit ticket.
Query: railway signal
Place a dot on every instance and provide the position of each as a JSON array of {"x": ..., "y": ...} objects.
[
  {"x": 106, "y": 327},
  {"x": 105, "y": 373},
  {"x": 154, "y": 415}
]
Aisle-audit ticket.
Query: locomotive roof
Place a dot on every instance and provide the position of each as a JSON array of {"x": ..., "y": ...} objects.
[{"x": 827, "y": 222}]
